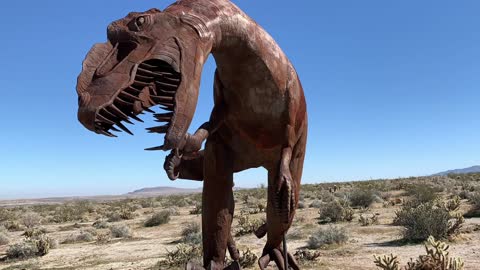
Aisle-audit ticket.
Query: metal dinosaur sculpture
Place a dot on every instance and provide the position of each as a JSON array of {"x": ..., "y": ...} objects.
[{"x": 259, "y": 118}]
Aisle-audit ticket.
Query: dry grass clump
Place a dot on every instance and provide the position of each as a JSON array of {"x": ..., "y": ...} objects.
[
  {"x": 4, "y": 239},
  {"x": 191, "y": 234},
  {"x": 121, "y": 231},
  {"x": 31, "y": 219},
  {"x": 324, "y": 237},
  {"x": 79, "y": 237},
  {"x": 367, "y": 221},
  {"x": 158, "y": 218},
  {"x": 437, "y": 258},
  {"x": 335, "y": 211},
  {"x": 101, "y": 224}
]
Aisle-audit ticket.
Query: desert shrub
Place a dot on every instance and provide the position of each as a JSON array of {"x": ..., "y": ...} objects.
[
  {"x": 157, "y": 219},
  {"x": 247, "y": 225},
  {"x": 103, "y": 238},
  {"x": 174, "y": 200},
  {"x": 301, "y": 205},
  {"x": 437, "y": 258},
  {"x": 4, "y": 240},
  {"x": 304, "y": 255},
  {"x": 114, "y": 217},
  {"x": 174, "y": 211},
  {"x": 22, "y": 250},
  {"x": 362, "y": 197},
  {"x": 101, "y": 224},
  {"x": 13, "y": 225},
  {"x": 474, "y": 199},
  {"x": 295, "y": 234},
  {"x": 31, "y": 219},
  {"x": 421, "y": 193},
  {"x": 29, "y": 248},
  {"x": 191, "y": 233},
  {"x": 367, "y": 221},
  {"x": 427, "y": 219},
  {"x": 197, "y": 209},
  {"x": 247, "y": 259},
  {"x": 316, "y": 204},
  {"x": 34, "y": 232},
  {"x": 256, "y": 206},
  {"x": 327, "y": 236},
  {"x": 120, "y": 231},
  {"x": 180, "y": 256},
  {"x": 79, "y": 237},
  {"x": 335, "y": 211}
]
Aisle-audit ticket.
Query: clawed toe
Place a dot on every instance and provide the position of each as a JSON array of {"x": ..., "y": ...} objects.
[{"x": 276, "y": 255}]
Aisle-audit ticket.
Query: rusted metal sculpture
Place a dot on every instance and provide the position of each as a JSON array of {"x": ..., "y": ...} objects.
[{"x": 259, "y": 118}]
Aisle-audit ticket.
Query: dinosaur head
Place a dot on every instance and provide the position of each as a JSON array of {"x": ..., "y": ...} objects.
[{"x": 150, "y": 59}]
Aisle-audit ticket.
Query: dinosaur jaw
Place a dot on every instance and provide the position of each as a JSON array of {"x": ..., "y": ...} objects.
[{"x": 155, "y": 82}]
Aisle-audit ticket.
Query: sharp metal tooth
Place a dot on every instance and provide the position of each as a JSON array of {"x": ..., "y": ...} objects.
[
  {"x": 118, "y": 112},
  {"x": 172, "y": 79},
  {"x": 123, "y": 102},
  {"x": 156, "y": 148},
  {"x": 135, "y": 117},
  {"x": 129, "y": 96},
  {"x": 166, "y": 92},
  {"x": 148, "y": 110},
  {"x": 155, "y": 73},
  {"x": 142, "y": 84},
  {"x": 164, "y": 117},
  {"x": 143, "y": 77},
  {"x": 164, "y": 84},
  {"x": 167, "y": 107},
  {"x": 115, "y": 129},
  {"x": 112, "y": 115},
  {"x": 147, "y": 65},
  {"x": 161, "y": 98},
  {"x": 106, "y": 133},
  {"x": 121, "y": 126},
  {"x": 104, "y": 119},
  {"x": 159, "y": 129}
]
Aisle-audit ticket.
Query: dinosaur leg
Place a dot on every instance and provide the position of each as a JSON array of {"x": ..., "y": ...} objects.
[
  {"x": 181, "y": 167},
  {"x": 283, "y": 193},
  {"x": 218, "y": 203}
]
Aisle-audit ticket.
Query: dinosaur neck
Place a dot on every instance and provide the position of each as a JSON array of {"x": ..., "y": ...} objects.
[{"x": 227, "y": 30}]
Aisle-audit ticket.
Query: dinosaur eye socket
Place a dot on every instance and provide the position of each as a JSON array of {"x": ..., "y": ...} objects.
[{"x": 140, "y": 21}]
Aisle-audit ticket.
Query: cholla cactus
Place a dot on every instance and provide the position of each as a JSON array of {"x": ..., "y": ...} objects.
[
  {"x": 387, "y": 262},
  {"x": 437, "y": 258}
]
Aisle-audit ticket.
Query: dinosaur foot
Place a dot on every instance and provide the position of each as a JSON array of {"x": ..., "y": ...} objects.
[
  {"x": 276, "y": 255},
  {"x": 213, "y": 266}
]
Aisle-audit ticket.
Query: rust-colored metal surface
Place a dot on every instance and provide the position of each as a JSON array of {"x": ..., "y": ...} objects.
[{"x": 155, "y": 58}]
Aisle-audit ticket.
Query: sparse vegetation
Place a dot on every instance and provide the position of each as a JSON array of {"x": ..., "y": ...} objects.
[
  {"x": 121, "y": 231},
  {"x": 327, "y": 236},
  {"x": 335, "y": 211},
  {"x": 427, "y": 219},
  {"x": 88, "y": 224},
  {"x": 437, "y": 258},
  {"x": 157, "y": 219}
]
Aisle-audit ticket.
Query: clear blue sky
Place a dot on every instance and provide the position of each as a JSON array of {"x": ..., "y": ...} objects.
[{"x": 392, "y": 90}]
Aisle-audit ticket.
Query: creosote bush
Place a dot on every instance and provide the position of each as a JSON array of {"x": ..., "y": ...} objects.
[
  {"x": 157, "y": 219},
  {"x": 327, "y": 236},
  {"x": 335, "y": 211},
  {"x": 79, "y": 237},
  {"x": 361, "y": 197},
  {"x": 427, "y": 219},
  {"x": 120, "y": 231}
]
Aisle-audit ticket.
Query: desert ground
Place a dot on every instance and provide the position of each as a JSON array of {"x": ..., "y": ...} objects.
[{"x": 337, "y": 226}]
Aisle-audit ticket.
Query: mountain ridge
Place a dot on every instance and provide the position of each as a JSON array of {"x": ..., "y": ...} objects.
[{"x": 472, "y": 169}]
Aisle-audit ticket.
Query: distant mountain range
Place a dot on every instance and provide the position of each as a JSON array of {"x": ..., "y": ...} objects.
[
  {"x": 157, "y": 191},
  {"x": 473, "y": 169}
]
